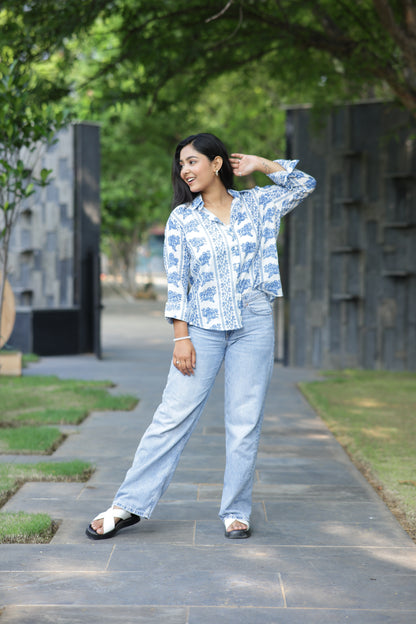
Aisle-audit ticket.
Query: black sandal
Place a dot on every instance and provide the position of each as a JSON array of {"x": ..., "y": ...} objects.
[{"x": 110, "y": 527}]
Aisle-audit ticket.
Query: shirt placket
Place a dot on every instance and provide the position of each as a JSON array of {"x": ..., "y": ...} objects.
[{"x": 236, "y": 260}]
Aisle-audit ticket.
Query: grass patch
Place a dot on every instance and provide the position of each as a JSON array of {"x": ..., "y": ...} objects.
[
  {"x": 24, "y": 528},
  {"x": 49, "y": 400},
  {"x": 26, "y": 440},
  {"x": 373, "y": 416},
  {"x": 12, "y": 476},
  {"x": 21, "y": 527},
  {"x": 29, "y": 358}
]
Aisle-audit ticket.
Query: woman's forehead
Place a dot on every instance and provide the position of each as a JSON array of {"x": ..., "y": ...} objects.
[{"x": 189, "y": 151}]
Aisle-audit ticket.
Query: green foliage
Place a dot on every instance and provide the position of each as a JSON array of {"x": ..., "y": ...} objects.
[
  {"x": 145, "y": 50},
  {"x": 24, "y": 124},
  {"x": 321, "y": 51}
]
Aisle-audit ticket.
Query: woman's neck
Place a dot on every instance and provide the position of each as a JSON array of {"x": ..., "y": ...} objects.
[
  {"x": 218, "y": 201},
  {"x": 216, "y": 197}
]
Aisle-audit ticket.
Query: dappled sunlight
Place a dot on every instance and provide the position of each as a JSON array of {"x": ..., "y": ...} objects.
[
  {"x": 397, "y": 557},
  {"x": 379, "y": 433},
  {"x": 267, "y": 586},
  {"x": 250, "y": 553},
  {"x": 367, "y": 402}
]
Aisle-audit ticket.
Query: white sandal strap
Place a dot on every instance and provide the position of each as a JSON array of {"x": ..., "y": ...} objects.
[
  {"x": 228, "y": 522},
  {"x": 109, "y": 516}
]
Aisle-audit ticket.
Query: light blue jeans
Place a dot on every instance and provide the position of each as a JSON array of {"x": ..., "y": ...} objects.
[{"x": 248, "y": 361}]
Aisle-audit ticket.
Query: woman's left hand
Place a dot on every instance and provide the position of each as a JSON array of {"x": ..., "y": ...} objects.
[{"x": 244, "y": 164}]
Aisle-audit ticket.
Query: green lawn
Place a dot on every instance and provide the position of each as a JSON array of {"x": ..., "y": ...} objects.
[
  {"x": 373, "y": 416},
  {"x": 50, "y": 400}
]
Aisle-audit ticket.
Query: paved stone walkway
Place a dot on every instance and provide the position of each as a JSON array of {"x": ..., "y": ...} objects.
[{"x": 324, "y": 548}]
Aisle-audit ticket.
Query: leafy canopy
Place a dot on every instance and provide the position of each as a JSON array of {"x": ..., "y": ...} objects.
[{"x": 350, "y": 48}]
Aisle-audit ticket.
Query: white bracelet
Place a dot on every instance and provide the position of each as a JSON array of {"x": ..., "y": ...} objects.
[{"x": 182, "y": 338}]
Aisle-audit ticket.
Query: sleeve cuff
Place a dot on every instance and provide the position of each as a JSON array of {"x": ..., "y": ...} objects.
[{"x": 280, "y": 177}]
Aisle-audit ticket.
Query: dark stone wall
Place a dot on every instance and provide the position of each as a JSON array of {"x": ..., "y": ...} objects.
[
  {"x": 351, "y": 264},
  {"x": 54, "y": 252}
]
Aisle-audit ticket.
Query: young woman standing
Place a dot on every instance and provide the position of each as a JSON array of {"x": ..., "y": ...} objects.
[{"x": 223, "y": 274}]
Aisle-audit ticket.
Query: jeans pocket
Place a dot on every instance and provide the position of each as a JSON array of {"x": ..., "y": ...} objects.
[{"x": 260, "y": 306}]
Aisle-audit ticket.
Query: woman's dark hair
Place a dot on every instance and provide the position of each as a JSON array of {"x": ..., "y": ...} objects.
[{"x": 209, "y": 145}]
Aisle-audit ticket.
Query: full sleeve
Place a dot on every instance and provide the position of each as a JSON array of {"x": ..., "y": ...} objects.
[
  {"x": 176, "y": 260},
  {"x": 291, "y": 186}
]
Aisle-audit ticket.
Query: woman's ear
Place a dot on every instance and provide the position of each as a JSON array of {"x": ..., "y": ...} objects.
[{"x": 217, "y": 162}]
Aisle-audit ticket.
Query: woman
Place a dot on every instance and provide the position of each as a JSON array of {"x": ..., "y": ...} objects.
[{"x": 223, "y": 274}]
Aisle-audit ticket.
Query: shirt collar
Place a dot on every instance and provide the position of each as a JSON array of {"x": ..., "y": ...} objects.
[{"x": 198, "y": 203}]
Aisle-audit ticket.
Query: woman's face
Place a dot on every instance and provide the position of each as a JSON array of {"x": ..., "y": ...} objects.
[{"x": 196, "y": 169}]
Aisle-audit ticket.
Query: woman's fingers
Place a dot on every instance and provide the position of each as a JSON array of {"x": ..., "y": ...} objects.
[
  {"x": 242, "y": 164},
  {"x": 185, "y": 367},
  {"x": 185, "y": 360}
]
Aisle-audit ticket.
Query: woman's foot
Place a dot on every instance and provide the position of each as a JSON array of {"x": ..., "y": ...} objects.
[
  {"x": 237, "y": 526},
  {"x": 108, "y": 523},
  {"x": 98, "y": 523},
  {"x": 237, "y": 530}
]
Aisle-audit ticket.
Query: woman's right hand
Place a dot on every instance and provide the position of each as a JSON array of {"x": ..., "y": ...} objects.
[
  {"x": 184, "y": 357},
  {"x": 244, "y": 164}
]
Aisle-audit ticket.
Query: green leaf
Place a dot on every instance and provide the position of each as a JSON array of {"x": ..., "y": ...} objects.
[
  {"x": 44, "y": 175},
  {"x": 29, "y": 190}
]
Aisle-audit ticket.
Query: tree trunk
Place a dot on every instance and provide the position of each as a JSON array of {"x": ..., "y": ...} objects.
[{"x": 4, "y": 270}]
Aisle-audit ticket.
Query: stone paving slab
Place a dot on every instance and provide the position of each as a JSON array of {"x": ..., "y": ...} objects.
[
  {"x": 262, "y": 491},
  {"x": 331, "y": 511},
  {"x": 96, "y": 614},
  {"x": 348, "y": 577},
  {"x": 56, "y": 558},
  {"x": 173, "y": 585},
  {"x": 297, "y": 616}
]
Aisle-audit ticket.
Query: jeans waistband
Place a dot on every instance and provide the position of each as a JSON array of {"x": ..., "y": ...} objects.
[{"x": 252, "y": 295}]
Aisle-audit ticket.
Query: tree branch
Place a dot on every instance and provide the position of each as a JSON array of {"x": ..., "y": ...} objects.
[
  {"x": 224, "y": 10},
  {"x": 404, "y": 38}
]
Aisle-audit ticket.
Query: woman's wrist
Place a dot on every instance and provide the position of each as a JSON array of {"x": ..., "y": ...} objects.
[
  {"x": 180, "y": 329},
  {"x": 269, "y": 166}
]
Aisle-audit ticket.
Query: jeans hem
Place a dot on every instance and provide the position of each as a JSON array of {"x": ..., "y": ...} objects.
[{"x": 145, "y": 515}]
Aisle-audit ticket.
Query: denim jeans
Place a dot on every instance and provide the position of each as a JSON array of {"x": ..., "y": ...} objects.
[{"x": 248, "y": 361}]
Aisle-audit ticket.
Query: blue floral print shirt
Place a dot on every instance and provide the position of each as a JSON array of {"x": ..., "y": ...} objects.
[{"x": 210, "y": 266}]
